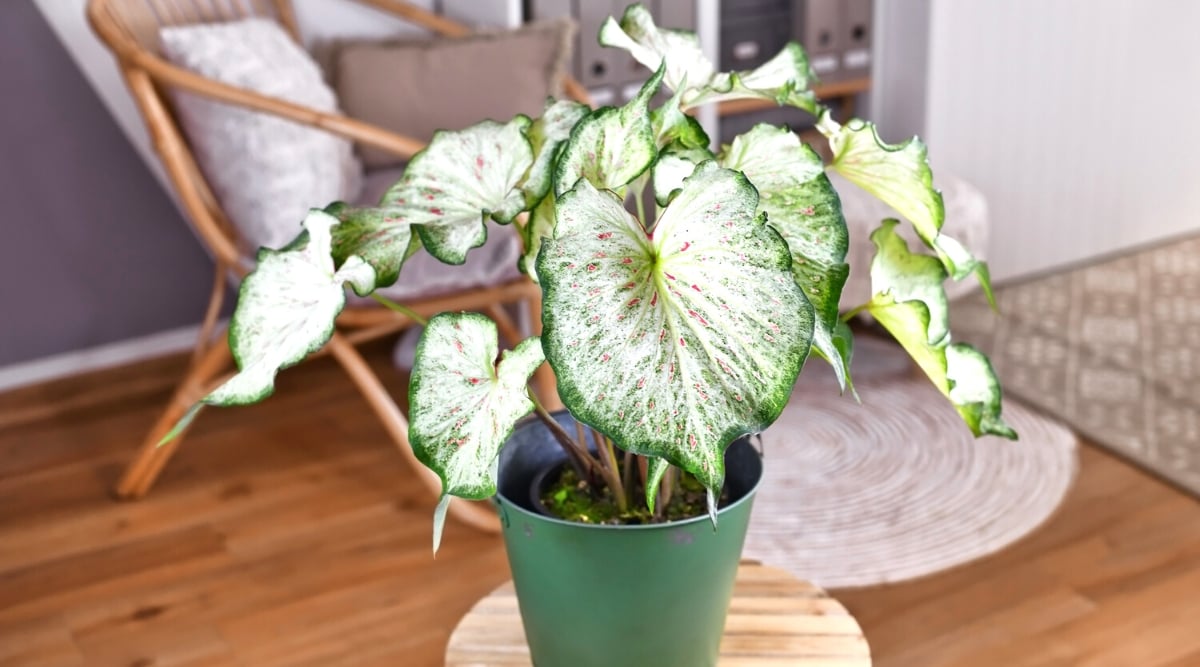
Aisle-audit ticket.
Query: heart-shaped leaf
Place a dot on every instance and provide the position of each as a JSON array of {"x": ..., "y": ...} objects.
[
  {"x": 785, "y": 79},
  {"x": 463, "y": 405},
  {"x": 451, "y": 187},
  {"x": 285, "y": 311},
  {"x": 286, "y": 308},
  {"x": 802, "y": 205},
  {"x": 612, "y": 145},
  {"x": 546, "y": 135},
  {"x": 676, "y": 341},
  {"x": 375, "y": 236},
  {"x": 910, "y": 302},
  {"x": 899, "y": 176}
]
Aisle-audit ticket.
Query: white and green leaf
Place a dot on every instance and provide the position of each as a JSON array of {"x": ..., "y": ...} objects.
[
  {"x": 540, "y": 225},
  {"x": 611, "y": 146},
  {"x": 674, "y": 165},
  {"x": 463, "y": 406},
  {"x": 676, "y": 341},
  {"x": 672, "y": 126},
  {"x": 802, "y": 205},
  {"x": 785, "y": 79},
  {"x": 546, "y": 135},
  {"x": 899, "y": 176},
  {"x": 452, "y": 186},
  {"x": 375, "y": 236},
  {"x": 910, "y": 302},
  {"x": 285, "y": 310}
]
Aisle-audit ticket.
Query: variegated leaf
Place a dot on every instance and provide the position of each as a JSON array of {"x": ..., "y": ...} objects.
[
  {"x": 785, "y": 79},
  {"x": 910, "y": 303},
  {"x": 802, "y": 205},
  {"x": 286, "y": 308},
  {"x": 376, "y": 237},
  {"x": 899, "y": 176},
  {"x": 672, "y": 126},
  {"x": 540, "y": 225},
  {"x": 675, "y": 163},
  {"x": 463, "y": 405},
  {"x": 907, "y": 276},
  {"x": 450, "y": 188},
  {"x": 611, "y": 146},
  {"x": 676, "y": 341},
  {"x": 546, "y": 135}
]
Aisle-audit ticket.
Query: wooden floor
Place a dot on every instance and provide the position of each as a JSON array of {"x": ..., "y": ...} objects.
[{"x": 290, "y": 534}]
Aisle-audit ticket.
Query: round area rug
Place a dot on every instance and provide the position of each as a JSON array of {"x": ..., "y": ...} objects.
[{"x": 896, "y": 488}]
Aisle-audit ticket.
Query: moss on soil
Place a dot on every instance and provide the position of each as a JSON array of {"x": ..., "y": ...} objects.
[{"x": 572, "y": 499}]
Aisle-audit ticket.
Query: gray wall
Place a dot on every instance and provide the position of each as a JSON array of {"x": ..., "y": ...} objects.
[{"x": 92, "y": 251}]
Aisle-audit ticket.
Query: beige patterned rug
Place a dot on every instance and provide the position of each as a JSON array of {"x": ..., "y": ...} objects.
[
  {"x": 896, "y": 488},
  {"x": 1112, "y": 348}
]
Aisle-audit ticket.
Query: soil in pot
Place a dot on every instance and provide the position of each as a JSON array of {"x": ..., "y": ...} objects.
[{"x": 560, "y": 493}]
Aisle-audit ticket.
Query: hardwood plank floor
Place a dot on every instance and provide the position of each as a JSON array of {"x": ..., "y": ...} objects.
[{"x": 291, "y": 533}]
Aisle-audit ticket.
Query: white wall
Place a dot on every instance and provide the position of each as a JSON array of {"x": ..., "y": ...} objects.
[
  {"x": 1076, "y": 117},
  {"x": 901, "y": 68}
]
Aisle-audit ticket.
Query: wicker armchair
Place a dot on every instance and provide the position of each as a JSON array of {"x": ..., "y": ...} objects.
[{"x": 130, "y": 28}]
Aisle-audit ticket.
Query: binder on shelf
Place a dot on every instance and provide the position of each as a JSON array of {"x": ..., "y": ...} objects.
[
  {"x": 818, "y": 24},
  {"x": 857, "y": 35}
]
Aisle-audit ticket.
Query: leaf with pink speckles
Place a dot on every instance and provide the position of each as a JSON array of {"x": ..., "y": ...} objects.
[
  {"x": 546, "y": 135},
  {"x": 676, "y": 341},
  {"x": 803, "y": 207},
  {"x": 461, "y": 179},
  {"x": 463, "y": 404},
  {"x": 285, "y": 311},
  {"x": 381, "y": 240},
  {"x": 612, "y": 145}
]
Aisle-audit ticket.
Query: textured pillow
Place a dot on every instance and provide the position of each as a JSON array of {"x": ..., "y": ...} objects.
[
  {"x": 418, "y": 87},
  {"x": 266, "y": 171}
]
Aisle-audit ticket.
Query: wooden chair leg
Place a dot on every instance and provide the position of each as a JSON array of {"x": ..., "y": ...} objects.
[
  {"x": 141, "y": 473},
  {"x": 476, "y": 515},
  {"x": 544, "y": 382}
]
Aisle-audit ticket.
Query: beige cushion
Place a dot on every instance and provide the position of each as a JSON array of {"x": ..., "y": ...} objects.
[
  {"x": 266, "y": 171},
  {"x": 418, "y": 87}
]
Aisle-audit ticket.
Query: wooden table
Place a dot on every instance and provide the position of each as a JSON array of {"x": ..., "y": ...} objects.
[{"x": 774, "y": 619}]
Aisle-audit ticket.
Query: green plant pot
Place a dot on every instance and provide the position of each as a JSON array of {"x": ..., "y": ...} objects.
[{"x": 620, "y": 596}]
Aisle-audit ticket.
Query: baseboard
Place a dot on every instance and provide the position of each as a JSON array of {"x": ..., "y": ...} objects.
[
  {"x": 96, "y": 378},
  {"x": 97, "y": 358}
]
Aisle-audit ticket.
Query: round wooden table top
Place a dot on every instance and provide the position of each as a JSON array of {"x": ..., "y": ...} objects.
[{"x": 774, "y": 619}]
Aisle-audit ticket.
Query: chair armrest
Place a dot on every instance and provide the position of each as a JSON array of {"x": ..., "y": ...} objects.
[{"x": 374, "y": 136}]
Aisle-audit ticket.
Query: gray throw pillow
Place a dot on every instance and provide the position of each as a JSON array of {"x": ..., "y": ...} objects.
[{"x": 418, "y": 87}]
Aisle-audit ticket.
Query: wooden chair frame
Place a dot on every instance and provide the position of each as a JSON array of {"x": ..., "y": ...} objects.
[{"x": 130, "y": 30}]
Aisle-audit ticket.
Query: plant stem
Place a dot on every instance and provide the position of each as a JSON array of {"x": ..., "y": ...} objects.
[
  {"x": 400, "y": 308},
  {"x": 619, "y": 487},
  {"x": 608, "y": 468},
  {"x": 583, "y": 463},
  {"x": 849, "y": 315},
  {"x": 627, "y": 479},
  {"x": 666, "y": 491},
  {"x": 641, "y": 209}
]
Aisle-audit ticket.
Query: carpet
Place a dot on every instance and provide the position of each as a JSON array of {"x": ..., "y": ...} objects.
[
  {"x": 897, "y": 488},
  {"x": 1111, "y": 348}
]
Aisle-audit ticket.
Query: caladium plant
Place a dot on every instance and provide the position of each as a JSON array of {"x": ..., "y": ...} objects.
[{"x": 671, "y": 331}]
